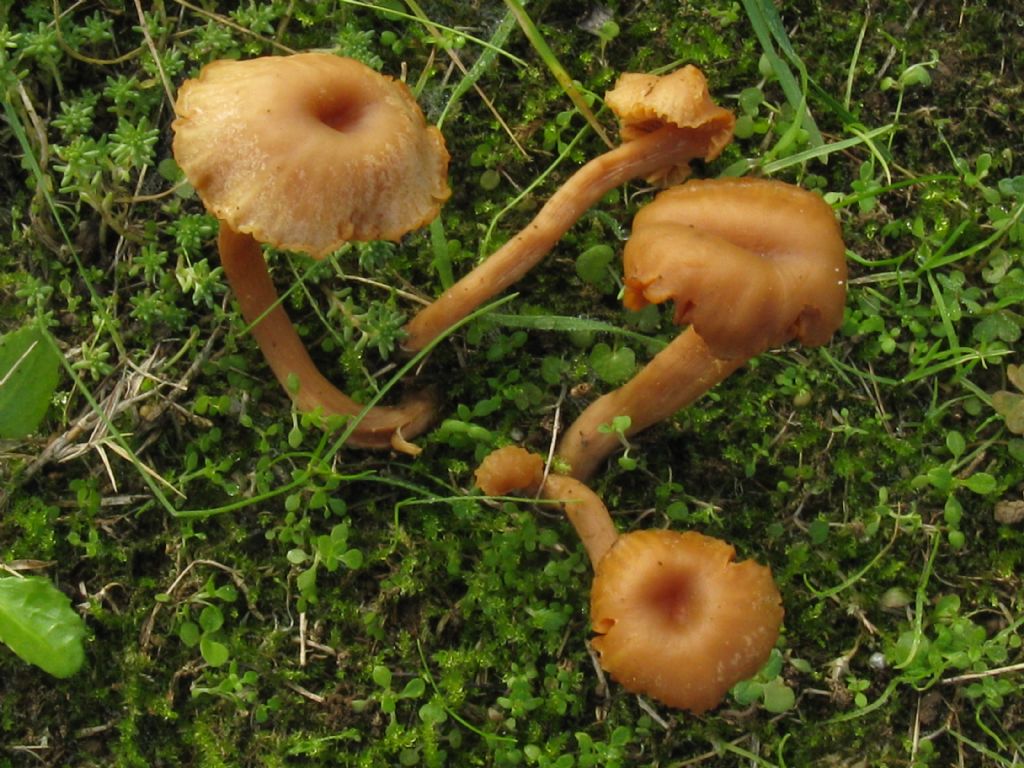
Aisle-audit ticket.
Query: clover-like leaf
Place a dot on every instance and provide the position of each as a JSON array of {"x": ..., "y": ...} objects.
[
  {"x": 1010, "y": 405},
  {"x": 214, "y": 652}
]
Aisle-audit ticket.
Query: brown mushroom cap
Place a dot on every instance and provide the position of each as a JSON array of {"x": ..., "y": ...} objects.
[
  {"x": 751, "y": 263},
  {"x": 508, "y": 469},
  {"x": 678, "y": 620},
  {"x": 305, "y": 152},
  {"x": 308, "y": 151},
  {"x": 645, "y": 103}
]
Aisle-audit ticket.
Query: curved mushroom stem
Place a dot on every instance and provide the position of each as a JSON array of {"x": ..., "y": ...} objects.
[
  {"x": 644, "y": 156},
  {"x": 675, "y": 377},
  {"x": 587, "y": 513},
  {"x": 381, "y": 427},
  {"x": 515, "y": 469}
]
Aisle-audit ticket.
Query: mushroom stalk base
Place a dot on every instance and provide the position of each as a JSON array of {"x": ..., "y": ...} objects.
[
  {"x": 642, "y": 157},
  {"x": 677, "y": 376},
  {"x": 382, "y": 427}
]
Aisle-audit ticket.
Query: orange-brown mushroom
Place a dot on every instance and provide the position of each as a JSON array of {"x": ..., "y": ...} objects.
[
  {"x": 679, "y": 620},
  {"x": 749, "y": 263},
  {"x": 666, "y": 122},
  {"x": 676, "y": 618},
  {"x": 515, "y": 469},
  {"x": 306, "y": 152}
]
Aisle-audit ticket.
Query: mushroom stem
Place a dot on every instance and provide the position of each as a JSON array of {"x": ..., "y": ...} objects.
[
  {"x": 672, "y": 380},
  {"x": 587, "y": 513},
  {"x": 379, "y": 427},
  {"x": 644, "y": 156},
  {"x": 515, "y": 469}
]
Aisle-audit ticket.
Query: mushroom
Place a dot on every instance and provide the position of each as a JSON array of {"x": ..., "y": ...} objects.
[
  {"x": 305, "y": 153},
  {"x": 516, "y": 469},
  {"x": 749, "y": 263},
  {"x": 666, "y": 122},
  {"x": 679, "y": 620},
  {"x": 676, "y": 618}
]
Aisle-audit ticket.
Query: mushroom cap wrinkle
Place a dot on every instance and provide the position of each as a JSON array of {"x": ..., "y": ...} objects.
[
  {"x": 750, "y": 263},
  {"x": 678, "y": 620},
  {"x": 308, "y": 151},
  {"x": 645, "y": 103}
]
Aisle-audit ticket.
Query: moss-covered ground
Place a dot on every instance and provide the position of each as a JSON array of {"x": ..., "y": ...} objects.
[{"x": 257, "y": 595}]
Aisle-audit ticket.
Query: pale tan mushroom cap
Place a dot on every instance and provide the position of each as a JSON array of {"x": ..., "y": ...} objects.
[
  {"x": 751, "y": 263},
  {"x": 306, "y": 152},
  {"x": 644, "y": 103},
  {"x": 680, "y": 621}
]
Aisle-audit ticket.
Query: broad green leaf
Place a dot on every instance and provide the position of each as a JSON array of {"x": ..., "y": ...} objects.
[
  {"x": 38, "y": 623},
  {"x": 778, "y": 697},
  {"x": 982, "y": 483},
  {"x": 382, "y": 676},
  {"x": 592, "y": 264},
  {"x": 215, "y": 653},
  {"x": 613, "y": 366},
  {"x": 211, "y": 618},
  {"x": 747, "y": 692},
  {"x": 432, "y": 713},
  {"x": 352, "y": 559},
  {"x": 28, "y": 375},
  {"x": 413, "y": 689},
  {"x": 189, "y": 633}
]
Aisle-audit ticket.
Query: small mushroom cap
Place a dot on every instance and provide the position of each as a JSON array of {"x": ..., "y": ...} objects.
[
  {"x": 678, "y": 620},
  {"x": 510, "y": 468},
  {"x": 306, "y": 152},
  {"x": 751, "y": 263},
  {"x": 645, "y": 103}
]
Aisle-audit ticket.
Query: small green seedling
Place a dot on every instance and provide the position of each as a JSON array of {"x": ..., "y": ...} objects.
[
  {"x": 387, "y": 696},
  {"x": 768, "y": 687},
  {"x": 329, "y": 551},
  {"x": 618, "y": 427},
  {"x": 206, "y": 631}
]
